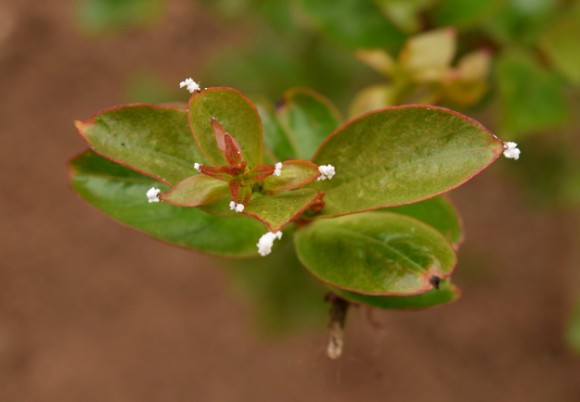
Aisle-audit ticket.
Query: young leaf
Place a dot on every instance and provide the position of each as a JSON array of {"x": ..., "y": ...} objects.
[
  {"x": 235, "y": 113},
  {"x": 151, "y": 139},
  {"x": 402, "y": 155},
  {"x": 120, "y": 193},
  {"x": 308, "y": 118},
  {"x": 446, "y": 293},
  {"x": 375, "y": 253},
  {"x": 279, "y": 209},
  {"x": 227, "y": 145},
  {"x": 294, "y": 174},
  {"x": 427, "y": 56},
  {"x": 195, "y": 191},
  {"x": 437, "y": 212}
]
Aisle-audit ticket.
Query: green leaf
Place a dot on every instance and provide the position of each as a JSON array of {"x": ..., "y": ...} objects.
[
  {"x": 120, "y": 193},
  {"x": 437, "y": 212},
  {"x": 308, "y": 118},
  {"x": 154, "y": 140},
  {"x": 446, "y": 293},
  {"x": 402, "y": 155},
  {"x": 276, "y": 139},
  {"x": 354, "y": 24},
  {"x": 236, "y": 113},
  {"x": 561, "y": 45},
  {"x": 531, "y": 97},
  {"x": 195, "y": 191},
  {"x": 375, "y": 253},
  {"x": 294, "y": 174},
  {"x": 275, "y": 211}
]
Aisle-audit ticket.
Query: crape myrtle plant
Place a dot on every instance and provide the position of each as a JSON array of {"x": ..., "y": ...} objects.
[{"x": 362, "y": 202}]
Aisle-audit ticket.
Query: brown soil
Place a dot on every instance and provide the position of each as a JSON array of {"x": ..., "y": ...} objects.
[{"x": 91, "y": 311}]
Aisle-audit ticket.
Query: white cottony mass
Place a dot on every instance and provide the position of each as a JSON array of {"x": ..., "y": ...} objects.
[
  {"x": 267, "y": 241},
  {"x": 277, "y": 169},
  {"x": 190, "y": 85},
  {"x": 236, "y": 207},
  {"x": 326, "y": 172},
  {"x": 511, "y": 150},
  {"x": 153, "y": 194}
]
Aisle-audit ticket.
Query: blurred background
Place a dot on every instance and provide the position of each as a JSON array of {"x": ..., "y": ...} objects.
[{"x": 92, "y": 311}]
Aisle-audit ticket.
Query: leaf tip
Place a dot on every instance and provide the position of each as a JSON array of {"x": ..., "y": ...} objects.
[{"x": 80, "y": 125}]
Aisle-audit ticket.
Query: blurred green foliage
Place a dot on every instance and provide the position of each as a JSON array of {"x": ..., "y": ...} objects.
[
  {"x": 284, "y": 296},
  {"x": 103, "y": 16}
]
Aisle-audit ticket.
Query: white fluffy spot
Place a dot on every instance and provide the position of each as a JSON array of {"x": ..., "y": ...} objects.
[
  {"x": 511, "y": 150},
  {"x": 278, "y": 169},
  {"x": 267, "y": 241},
  {"x": 197, "y": 166},
  {"x": 190, "y": 85},
  {"x": 153, "y": 194},
  {"x": 326, "y": 172},
  {"x": 236, "y": 207}
]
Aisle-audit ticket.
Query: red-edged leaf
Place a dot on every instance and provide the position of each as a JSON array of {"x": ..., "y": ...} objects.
[
  {"x": 152, "y": 140},
  {"x": 227, "y": 145},
  {"x": 375, "y": 253},
  {"x": 260, "y": 172},
  {"x": 235, "y": 114},
  {"x": 402, "y": 155},
  {"x": 276, "y": 211},
  {"x": 447, "y": 293},
  {"x": 120, "y": 193},
  {"x": 195, "y": 191},
  {"x": 294, "y": 174},
  {"x": 220, "y": 173}
]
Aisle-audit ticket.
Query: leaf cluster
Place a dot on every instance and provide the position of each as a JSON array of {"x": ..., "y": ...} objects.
[{"x": 381, "y": 232}]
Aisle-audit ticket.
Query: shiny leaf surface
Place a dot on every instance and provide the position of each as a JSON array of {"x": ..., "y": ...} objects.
[
  {"x": 294, "y": 174},
  {"x": 278, "y": 210},
  {"x": 154, "y": 140},
  {"x": 402, "y": 155},
  {"x": 195, "y": 191},
  {"x": 437, "y": 212},
  {"x": 235, "y": 113},
  {"x": 375, "y": 253},
  {"x": 120, "y": 193}
]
